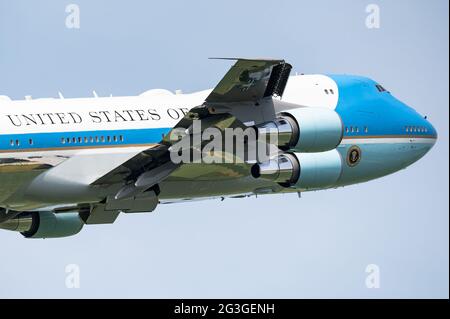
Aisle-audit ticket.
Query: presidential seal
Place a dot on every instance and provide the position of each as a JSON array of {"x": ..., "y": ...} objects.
[{"x": 353, "y": 156}]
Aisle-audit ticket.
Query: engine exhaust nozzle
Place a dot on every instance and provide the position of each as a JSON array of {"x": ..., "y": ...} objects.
[{"x": 283, "y": 169}]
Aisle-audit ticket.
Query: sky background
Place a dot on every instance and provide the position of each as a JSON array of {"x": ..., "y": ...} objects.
[{"x": 270, "y": 247}]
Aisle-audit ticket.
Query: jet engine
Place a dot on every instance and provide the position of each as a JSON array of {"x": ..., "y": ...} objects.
[
  {"x": 305, "y": 129},
  {"x": 45, "y": 224},
  {"x": 302, "y": 170}
]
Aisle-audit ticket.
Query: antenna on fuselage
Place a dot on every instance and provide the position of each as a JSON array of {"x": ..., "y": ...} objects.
[
  {"x": 95, "y": 94},
  {"x": 61, "y": 96}
]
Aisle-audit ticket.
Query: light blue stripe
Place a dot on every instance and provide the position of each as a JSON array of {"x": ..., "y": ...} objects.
[{"x": 54, "y": 140}]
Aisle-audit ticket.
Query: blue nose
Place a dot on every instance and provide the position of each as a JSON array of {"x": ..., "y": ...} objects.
[
  {"x": 430, "y": 128},
  {"x": 427, "y": 131},
  {"x": 432, "y": 132},
  {"x": 423, "y": 137}
]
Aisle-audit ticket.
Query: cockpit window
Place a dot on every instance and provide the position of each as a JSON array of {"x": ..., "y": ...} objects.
[{"x": 380, "y": 88}]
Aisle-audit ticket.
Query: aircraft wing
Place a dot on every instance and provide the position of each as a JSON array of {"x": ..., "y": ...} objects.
[
  {"x": 247, "y": 80},
  {"x": 250, "y": 80},
  {"x": 153, "y": 165}
]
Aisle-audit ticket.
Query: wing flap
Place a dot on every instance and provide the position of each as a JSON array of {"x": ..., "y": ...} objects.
[{"x": 250, "y": 80}]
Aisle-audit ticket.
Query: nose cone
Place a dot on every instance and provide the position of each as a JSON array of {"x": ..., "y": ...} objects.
[
  {"x": 423, "y": 137},
  {"x": 431, "y": 132}
]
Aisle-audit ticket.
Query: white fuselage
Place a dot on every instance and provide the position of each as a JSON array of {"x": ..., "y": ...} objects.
[{"x": 51, "y": 142}]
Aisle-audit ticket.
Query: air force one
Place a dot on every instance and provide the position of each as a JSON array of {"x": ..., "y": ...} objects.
[{"x": 67, "y": 163}]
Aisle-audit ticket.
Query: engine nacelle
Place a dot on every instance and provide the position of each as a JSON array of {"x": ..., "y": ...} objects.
[
  {"x": 303, "y": 171},
  {"x": 305, "y": 129},
  {"x": 45, "y": 224},
  {"x": 319, "y": 170}
]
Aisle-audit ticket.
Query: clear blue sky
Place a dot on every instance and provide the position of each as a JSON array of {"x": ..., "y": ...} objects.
[{"x": 277, "y": 246}]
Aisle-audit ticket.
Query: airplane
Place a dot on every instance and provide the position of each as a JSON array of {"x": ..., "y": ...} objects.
[{"x": 67, "y": 163}]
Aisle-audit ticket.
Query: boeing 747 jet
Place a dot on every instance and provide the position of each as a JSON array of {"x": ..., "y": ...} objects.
[{"x": 67, "y": 163}]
